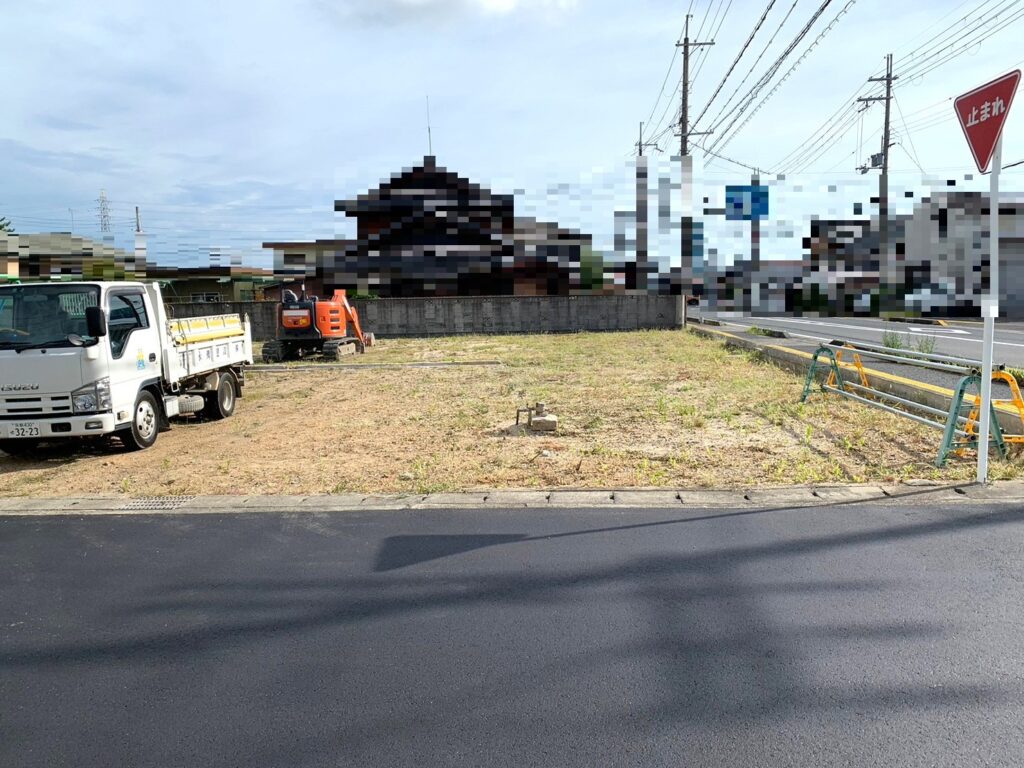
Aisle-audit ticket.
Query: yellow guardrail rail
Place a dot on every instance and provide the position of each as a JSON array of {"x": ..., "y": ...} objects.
[{"x": 190, "y": 330}]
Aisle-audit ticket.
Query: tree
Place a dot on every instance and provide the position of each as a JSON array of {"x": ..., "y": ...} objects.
[
  {"x": 6, "y": 226},
  {"x": 591, "y": 269}
]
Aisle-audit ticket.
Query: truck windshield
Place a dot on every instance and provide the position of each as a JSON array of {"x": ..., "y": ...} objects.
[{"x": 42, "y": 315}]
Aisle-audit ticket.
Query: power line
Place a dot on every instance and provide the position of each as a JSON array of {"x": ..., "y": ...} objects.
[
  {"x": 824, "y": 143},
  {"x": 814, "y": 44},
  {"x": 756, "y": 62},
  {"x": 948, "y": 36},
  {"x": 766, "y": 77},
  {"x": 934, "y": 24},
  {"x": 912, "y": 158},
  {"x": 703, "y": 21},
  {"x": 702, "y": 54},
  {"x": 712, "y": 36},
  {"x": 949, "y": 50},
  {"x": 845, "y": 108},
  {"x": 735, "y": 61},
  {"x": 925, "y": 58},
  {"x": 668, "y": 74},
  {"x": 828, "y": 129},
  {"x": 910, "y": 138},
  {"x": 978, "y": 40},
  {"x": 730, "y": 160}
]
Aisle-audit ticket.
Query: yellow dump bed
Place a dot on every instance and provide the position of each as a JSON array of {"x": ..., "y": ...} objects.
[
  {"x": 202, "y": 344},
  {"x": 191, "y": 330}
]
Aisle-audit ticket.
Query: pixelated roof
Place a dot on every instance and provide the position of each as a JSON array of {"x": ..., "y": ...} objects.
[{"x": 422, "y": 187}]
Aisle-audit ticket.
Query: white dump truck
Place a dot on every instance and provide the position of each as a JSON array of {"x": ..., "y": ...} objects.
[{"x": 83, "y": 359}]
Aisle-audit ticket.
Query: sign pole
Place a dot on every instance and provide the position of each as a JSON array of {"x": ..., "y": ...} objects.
[{"x": 990, "y": 309}]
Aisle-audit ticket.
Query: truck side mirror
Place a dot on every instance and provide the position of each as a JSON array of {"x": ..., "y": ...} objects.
[{"x": 95, "y": 322}]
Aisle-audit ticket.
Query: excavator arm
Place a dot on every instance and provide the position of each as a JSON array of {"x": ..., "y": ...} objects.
[{"x": 340, "y": 297}]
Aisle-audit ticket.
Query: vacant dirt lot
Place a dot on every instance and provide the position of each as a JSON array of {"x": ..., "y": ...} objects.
[{"x": 647, "y": 409}]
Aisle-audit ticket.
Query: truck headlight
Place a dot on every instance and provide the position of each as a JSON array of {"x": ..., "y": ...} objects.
[
  {"x": 92, "y": 398},
  {"x": 103, "y": 394},
  {"x": 85, "y": 402}
]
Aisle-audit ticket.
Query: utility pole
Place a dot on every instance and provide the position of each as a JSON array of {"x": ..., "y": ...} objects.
[
  {"x": 138, "y": 224},
  {"x": 755, "y": 234},
  {"x": 641, "y": 145},
  {"x": 686, "y": 162},
  {"x": 72, "y": 212},
  {"x": 642, "y": 261},
  {"x": 887, "y": 268}
]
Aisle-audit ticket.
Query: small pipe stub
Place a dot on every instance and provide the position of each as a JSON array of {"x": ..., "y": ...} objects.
[{"x": 538, "y": 409}]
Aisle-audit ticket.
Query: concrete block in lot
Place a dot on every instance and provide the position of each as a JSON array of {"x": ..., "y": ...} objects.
[
  {"x": 713, "y": 499},
  {"x": 646, "y": 499},
  {"x": 441, "y": 500},
  {"x": 581, "y": 498},
  {"x": 849, "y": 493},
  {"x": 546, "y": 423},
  {"x": 512, "y": 499}
]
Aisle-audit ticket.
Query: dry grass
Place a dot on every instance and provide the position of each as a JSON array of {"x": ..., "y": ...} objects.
[{"x": 645, "y": 409}]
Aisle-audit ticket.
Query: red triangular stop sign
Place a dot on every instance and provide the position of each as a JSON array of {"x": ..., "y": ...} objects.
[{"x": 982, "y": 114}]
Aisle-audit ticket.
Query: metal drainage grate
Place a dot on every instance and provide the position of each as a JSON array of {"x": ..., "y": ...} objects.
[{"x": 157, "y": 502}]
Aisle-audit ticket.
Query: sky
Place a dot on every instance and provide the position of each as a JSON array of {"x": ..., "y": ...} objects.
[{"x": 234, "y": 123}]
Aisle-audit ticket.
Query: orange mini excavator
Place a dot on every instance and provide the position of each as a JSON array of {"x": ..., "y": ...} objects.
[{"x": 307, "y": 325}]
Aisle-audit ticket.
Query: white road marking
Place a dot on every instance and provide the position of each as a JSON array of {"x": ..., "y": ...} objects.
[
  {"x": 936, "y": 329},
  {"x": 857, "y": 328},
  {"x": 909, "y": 329}
]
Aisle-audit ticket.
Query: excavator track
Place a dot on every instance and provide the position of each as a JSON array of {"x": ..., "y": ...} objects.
[{"x": 273, "y": 352}]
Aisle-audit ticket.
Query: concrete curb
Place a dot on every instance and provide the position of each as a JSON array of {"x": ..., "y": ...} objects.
[{"x": 920, "y": 492}]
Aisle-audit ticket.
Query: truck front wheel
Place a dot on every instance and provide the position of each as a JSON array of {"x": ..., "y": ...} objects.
[
  {"x": 221, "y": 404},
  {"x": 145, "y": 423}
]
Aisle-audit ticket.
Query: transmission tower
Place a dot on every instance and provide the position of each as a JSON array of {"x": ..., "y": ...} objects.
[{"x": 104, "y": 212}]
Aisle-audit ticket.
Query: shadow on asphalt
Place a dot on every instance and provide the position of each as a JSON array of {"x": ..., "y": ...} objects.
[{"x": 721, "y": 655}]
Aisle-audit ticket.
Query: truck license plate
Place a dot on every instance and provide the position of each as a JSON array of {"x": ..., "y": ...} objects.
[{"x": 23, "y": 429}]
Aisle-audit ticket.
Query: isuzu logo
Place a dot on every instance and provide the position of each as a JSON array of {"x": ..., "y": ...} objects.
[{"x": 18, "y": 387}]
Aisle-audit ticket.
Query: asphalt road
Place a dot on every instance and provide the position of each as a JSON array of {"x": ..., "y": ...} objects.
[
  {"x": 844, "y": 635},
  {"x": 960, "y": 338}
]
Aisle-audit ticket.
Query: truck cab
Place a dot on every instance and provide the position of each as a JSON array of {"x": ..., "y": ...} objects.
[{"x": 83, "y": 359}]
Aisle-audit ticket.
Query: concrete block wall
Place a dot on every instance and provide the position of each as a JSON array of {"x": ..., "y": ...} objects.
[
  {"x": 262, "y": 314},
  {"x": 391, "y": 318}
]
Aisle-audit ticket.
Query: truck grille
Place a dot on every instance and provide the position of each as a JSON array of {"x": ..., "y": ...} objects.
[{"x": 34, "y": 406}]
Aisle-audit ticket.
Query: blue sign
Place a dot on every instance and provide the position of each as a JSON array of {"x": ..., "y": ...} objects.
[{"x": 746, "y": 203}]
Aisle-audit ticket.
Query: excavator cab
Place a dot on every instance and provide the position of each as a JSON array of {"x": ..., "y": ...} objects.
[{"x": 308, "y": 325}]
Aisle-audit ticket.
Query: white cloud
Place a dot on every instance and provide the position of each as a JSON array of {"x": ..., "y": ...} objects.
[
  {"x": 508, "y": 6},
  {"x": 400, "y": 11}
]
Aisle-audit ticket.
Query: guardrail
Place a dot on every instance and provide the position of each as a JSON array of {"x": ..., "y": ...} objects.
[{"x": 960, "y": 432}]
